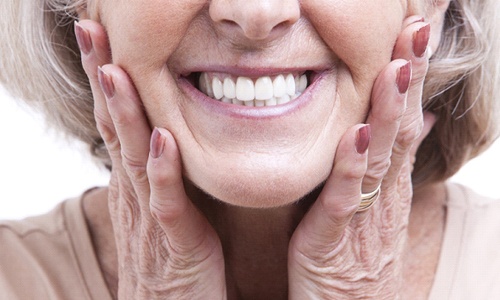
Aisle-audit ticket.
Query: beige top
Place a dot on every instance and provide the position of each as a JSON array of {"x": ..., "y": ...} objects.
[{"x": 51, "y": 256}]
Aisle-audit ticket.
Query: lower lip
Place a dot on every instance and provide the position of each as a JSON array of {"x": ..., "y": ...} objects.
[{"x": 251, "y": 112}]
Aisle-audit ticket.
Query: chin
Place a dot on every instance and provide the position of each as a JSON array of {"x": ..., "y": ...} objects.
[{"x": 261, "y": 188}]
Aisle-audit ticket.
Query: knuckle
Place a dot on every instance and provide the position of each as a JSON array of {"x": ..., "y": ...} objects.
[
  {"x": 389, "y": 115},
  {"x": 159, "y": 177},
  {"x": 136, "y": 169},
  {"x": 166, "y": 212},
  {"x": 377, "y": 169},
  {"x": 113, "y": 145},
  {"x": 123, "y": 116},
  {"x": 105, "y": 127},
  {"x": 409, "y": 134},
  {"x": 339, "y": 211},
  {"x": 355, "y": 173},
  {"x": 120, "y": 118},
  {"x": 107, "y": 131},
  {"x": 111, "y": 141}
]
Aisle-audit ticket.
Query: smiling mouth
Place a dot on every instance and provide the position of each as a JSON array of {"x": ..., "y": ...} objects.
[{"x": 253, "y": 92}]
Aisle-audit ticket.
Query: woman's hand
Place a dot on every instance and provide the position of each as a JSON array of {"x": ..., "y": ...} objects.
[
  {"x": 166, "y": 247},
  {"x": 336, "y": 253}
]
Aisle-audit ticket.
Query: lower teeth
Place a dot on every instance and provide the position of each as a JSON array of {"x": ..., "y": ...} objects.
[{"x": 260, "y": 103}]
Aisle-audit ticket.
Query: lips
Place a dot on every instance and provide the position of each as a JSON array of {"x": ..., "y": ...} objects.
[
  {"x": 251, "y": 93},
  {"x": 258, "y": 92}
]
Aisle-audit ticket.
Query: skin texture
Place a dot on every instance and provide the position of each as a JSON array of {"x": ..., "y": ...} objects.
[
  {"x": 173, "y": 240},
  {"x": 294, "y": 152}
]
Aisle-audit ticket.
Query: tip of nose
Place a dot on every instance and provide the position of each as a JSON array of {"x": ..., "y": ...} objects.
[{"x": 255, "y": 21}]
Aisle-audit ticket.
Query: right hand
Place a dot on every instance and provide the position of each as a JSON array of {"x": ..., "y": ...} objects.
[{"x": 166, "y": 247}]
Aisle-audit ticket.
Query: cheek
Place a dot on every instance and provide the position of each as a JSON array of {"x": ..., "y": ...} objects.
[
  {"x": 145, "y": 33},
  {"x": 361, "y": 33},
  {"x": 142, "y": 36}
]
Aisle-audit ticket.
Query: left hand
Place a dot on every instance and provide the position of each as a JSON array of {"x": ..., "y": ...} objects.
[{"x": 336, "y": 253}]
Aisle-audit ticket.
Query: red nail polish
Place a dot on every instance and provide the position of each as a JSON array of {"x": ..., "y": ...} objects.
[
  {"x": 363, "y": 137},
  {"x": 157, "y": 144},
  {"x": 403, "y": 78},
  {"x": 83, "y": 39},
  {"x": 106, "y": 83},
  {"x": 421, "y": 40}
]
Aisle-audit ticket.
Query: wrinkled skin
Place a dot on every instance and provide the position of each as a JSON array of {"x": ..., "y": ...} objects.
[{"x": 170, "y": 248}]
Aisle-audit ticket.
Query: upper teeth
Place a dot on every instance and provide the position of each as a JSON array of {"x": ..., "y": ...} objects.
[{"x": 263, "y": 92}]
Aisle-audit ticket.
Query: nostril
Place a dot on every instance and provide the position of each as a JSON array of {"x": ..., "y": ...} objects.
[
  {"x": 256, "y": 20},
  {"x": 229, "y": 23},
  {"x": 282, "y": 25}
]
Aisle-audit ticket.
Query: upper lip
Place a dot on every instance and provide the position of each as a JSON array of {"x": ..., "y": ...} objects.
[
  {"x": 280, "y": 57},
  {"x": 252, "y": 72}
]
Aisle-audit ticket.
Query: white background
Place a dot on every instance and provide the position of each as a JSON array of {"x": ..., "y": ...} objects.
[{"x": 38, "y": 170}]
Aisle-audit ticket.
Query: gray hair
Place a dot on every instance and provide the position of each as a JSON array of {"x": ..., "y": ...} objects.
[{"x": 40, "y": 63}]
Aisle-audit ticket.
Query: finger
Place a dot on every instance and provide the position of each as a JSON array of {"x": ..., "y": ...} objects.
[
  {"x": 429, "y": 121},
  {"x": 186, "y": 229},
  {"x": 384, "y": 133},
  {"x": 388, "y": 104},
  {"x": 131, "y": 125},
  {"x": 92, "y": 40},
  {"x": 324, "y": 224},
  {"x": 94, "y": 49},
  {"x": 412, "y": 44}
]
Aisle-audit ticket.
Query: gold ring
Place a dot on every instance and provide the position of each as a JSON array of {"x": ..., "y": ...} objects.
[{"x": 367, "y": 200}]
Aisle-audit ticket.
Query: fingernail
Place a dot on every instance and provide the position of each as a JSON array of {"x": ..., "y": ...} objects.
[
  {"x": 83, "y": 38},
  {"x": 403, "y": 78},
  {"x": 106, "y": 83},
  {"x": 157, "y": 144},
  {"x": 363, "y": 137},
  {"x": 420, "y": 40}
]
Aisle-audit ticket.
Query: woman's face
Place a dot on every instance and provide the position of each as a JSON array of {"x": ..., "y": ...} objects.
[{"x": 281, "y": 148}]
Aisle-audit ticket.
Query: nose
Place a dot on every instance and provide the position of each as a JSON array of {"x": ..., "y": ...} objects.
[{"x": 255, "y": 19}]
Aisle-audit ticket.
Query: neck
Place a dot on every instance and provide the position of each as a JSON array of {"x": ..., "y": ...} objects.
[{"x": 255, "y": 241}]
